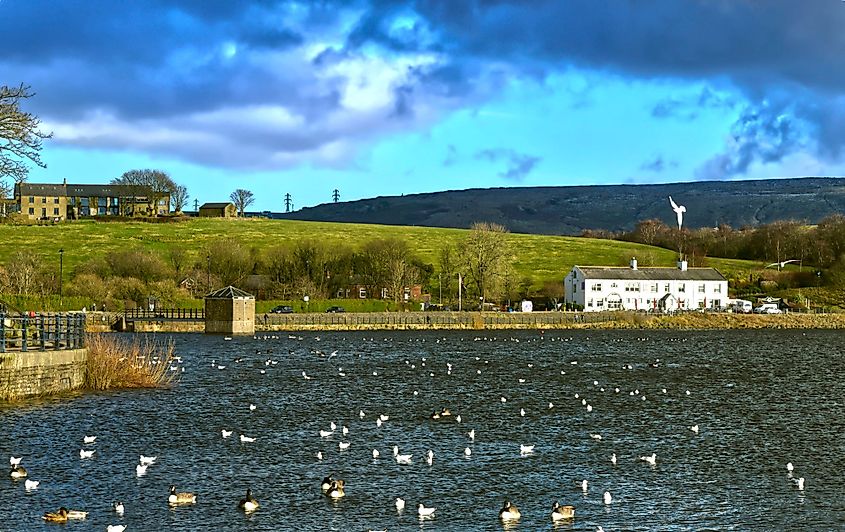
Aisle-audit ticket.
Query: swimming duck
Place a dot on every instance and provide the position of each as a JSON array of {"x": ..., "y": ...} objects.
[
  {"x": 181, "y": 498},
  {"x": 562, "y": 512},
  {"x": 56, "y": 517},
  {"x": 326, "y": 484},
  {"x": 18, "y": 471},
  {"x": 509, "y": 512},
  {"x": 248, "y": 503},
  {"x": 336, "y": 490}
]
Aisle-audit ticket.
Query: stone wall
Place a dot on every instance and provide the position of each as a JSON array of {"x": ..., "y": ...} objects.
[{"x": 32, "y": 373}]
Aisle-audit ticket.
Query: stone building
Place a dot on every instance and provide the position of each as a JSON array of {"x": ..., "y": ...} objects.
[
  {"x": 218, "y": 210},
  {"x": 73, "y": 201},
  {"x": 230, "y": 310}
]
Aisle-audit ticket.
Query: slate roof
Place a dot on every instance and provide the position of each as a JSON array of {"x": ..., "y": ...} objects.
[
  {"x": 80, "y": 190},
  {"x": 230, "y": 292},
  {"x": 216, "y": 205},
  {"x": 651, "y": 274}
]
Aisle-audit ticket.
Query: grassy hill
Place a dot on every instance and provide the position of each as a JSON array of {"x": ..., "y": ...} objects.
[
  {"x": 538, "y": 257},
  {"x": 570, "y": 210}
]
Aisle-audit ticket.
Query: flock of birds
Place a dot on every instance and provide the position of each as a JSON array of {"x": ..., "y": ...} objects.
[{"x": 335, "y": 488}]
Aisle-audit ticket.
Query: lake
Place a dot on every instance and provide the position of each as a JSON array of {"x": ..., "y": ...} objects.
[{"x": 760, "y": 399}]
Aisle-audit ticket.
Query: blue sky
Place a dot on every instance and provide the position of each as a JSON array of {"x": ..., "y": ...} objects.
[{"x": 380, "y": 97}]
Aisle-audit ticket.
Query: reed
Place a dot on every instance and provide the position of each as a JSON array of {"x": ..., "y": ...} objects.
[{"x": 117, "y": 363}]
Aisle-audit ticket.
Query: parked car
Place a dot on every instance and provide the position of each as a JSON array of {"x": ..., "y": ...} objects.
[
  {"x": 767, "y": 308},
  {"x": 282, "y": 309},
  {"x": 335, "y": 309}
]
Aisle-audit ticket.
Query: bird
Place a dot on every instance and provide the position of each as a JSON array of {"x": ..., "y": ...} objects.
[
  {"x": 76, "y": 514},
  {"x": 247, "y": 439},
  {"x": 336, "y": 490},
  {"x": 694, "y": 428},
  {"x": 679, "y": 211},
  {"x": 225, "y": 433},
  {"x": 652, "y": 460},
  {"x": 89, "y": 439},
  {"x": 562, "y": 512},
  {"x": 800, "y": 483},
  {"x": 326, "y": 484},
  {"x": 18, "y": 471},
  {"x": 509, "y": 512},
  {"x": 181, "y": 498},
  {"x": 119, "y": 508},
  {"x": 375, "y": 453},
  {"x": 384, "y": 417},
  {"x": 781, "y": 264},
  {"x": 401, "y": 458},
  {"x": 115, "y": 528},
  {"x": 326, "y": 433},
  {"x": 423, "y": 511},
  {"x": 613, "y": 458},
  {"x": 319, "y": 455},
  {"x": 345, "y": 431},
  {"x": 252, "y": 407},
  {"x": 789, "y": 467},
  {"x": 31, "y": 484},
  {"x": 361, "y": 414},
  {"x": 86, "y": 454},
  {"x": 332, "y": 426},
  {"x": 526, "y": 449},
  {"x": 584, "y": 485},
  {"x": 471, "y": 434},
  {"x": 430, "y": 457},
  {"x": 56, "y": 517},
  {"x": 344, "y": 445},
  {"x": 248, "y": 503},
  {"x": 596, "y": 437},
  {"x": 607, "y": 497},
  {"x": 522, "y": 412},
  {"x": 147, "y": 460},
  {"x": 467, "y": 451},
  {"x": 15, "y": 461},
  {"x": 400, "y": 504},
  {"x": 141, "y": 470}
]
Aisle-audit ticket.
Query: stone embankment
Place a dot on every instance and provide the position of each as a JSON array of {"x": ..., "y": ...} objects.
[{"x": 32, "y": 373}]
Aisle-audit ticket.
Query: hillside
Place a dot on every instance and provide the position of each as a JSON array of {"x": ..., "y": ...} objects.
[{"x": 570, "y": 210}]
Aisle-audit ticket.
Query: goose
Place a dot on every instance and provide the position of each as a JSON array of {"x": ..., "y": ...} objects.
[
  {"x": 115, "y": 528},
  {"x": 248, "y": 503},
  {"x": 445, "y": 412},
  {"x": 86, "y": 454},
  {"x": 56, "y": 517},
  {"x": 509, "y": 512},
  {"x": 89, "y": 439},
  {"x": 181, "y": 498},
  {"x": 344, "y": 445},
  {"x": 141, "y": 470},
  {"x": 225, "y": 433},
  {"x": 375, "y": 453},
  {"x": 589, "y": 408},
  {"x": 18, "y": 471},
  {"x": 400, "y": 504},
  {"x": 652, "y": 460},
  {"x": 336, "y": 490},
  {"x": 562, "y": 512},
  {"x": 526, "y": 449},
  {"x": 247, "y": 439},
  {"x": 31, "y": 484},
  {"x": 15, "y": 461},
  {"x": 607, "y": 497},
  {"x": 119, "y": 508},
  {"x": 76, "y": 514},
  {"x": 425, "y": 512},
  {"x": 147, "y": 460},
  {"x": 326, "y": 484}
]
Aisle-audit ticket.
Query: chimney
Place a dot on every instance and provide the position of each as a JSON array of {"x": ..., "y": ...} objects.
[
  {"x": 633, "y": 263},
  {"x": 64, "y": 181},
  {"x": 682, "y": 265}
]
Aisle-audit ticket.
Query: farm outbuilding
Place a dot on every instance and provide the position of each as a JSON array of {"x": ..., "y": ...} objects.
[{"x": 218, "y": 210}]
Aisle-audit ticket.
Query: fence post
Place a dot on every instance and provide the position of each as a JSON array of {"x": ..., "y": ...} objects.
[
  {"x": 81, "y": 332},
  {"x": 24, "y": 337},
  {"x": 2, "y": 333},
  {"x": 39, "y": 322}
]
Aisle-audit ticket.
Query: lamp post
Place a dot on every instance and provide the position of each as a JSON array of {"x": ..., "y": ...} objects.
[{"x": 61, "y": 276}]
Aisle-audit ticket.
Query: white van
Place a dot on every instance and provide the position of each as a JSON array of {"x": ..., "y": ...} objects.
[
  {"x": 767, "y": 308},
  {"x": 741, "y": 306}
]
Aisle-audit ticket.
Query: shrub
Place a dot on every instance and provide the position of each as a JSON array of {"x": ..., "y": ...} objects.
[{"x": 115, "y": 363}]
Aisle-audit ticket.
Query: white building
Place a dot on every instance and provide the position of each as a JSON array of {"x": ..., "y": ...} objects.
[{"x": 597, "y": 288}]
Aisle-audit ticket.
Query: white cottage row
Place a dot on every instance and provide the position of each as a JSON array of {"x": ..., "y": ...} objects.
[{"x": 597, "y": 288}]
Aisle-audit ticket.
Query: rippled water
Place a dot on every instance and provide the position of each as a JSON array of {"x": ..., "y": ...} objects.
[{"x": 761, "y": 399}]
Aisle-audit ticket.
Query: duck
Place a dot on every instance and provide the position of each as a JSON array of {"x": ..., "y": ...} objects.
[
  {"x": 248, "y": 503},
  {"x": 326, "y": 484},
  {"x": 336, "y": 490},
  {"x": 509, "y": 512},
  {"x": 562, "y": 512},
  {"x": 18, "y": 471},
  {"x": 118, "y": 507},
  {"x": 56, "y": 517},
  {"x": 181, "y": 498}
]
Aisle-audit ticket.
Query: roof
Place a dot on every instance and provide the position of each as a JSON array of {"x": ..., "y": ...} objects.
[
  {"x": 651, "y": 274},
  {"x": 40, "y": 189},
  {"x": 76, "y": 190},
  {"x": 230, "y": 292},
  {"x": 216, "y": 205}
]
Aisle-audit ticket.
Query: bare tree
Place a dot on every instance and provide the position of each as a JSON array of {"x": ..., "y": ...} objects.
[
  {"x": 157, "y": 184},
  {"x": 483, "y": 255},
  {"x": 242, "y": 199},
  {"x": 178, "y": 197},
  {"x": 20, "y": 138}
]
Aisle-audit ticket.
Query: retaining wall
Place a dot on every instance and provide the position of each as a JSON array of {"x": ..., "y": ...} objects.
[{"x": 32, "y": 373}]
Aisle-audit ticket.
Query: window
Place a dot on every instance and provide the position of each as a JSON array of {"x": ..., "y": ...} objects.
[
  {"x": 44, "y": 213},
  {"x": 666, "y": 288},
  {"x": 31, "y": 211},
  {"x": 596, "y": 287},
  {"x": 701, "y": 288},
  {"x": 718, "y": 288},
  {"x": 632, "y": 287},
  {"x": 682, "y": 287},
  {"x": 44, "y": 199},
  {"x": 654, "y": 287},
  {"x": 32, "y": 200},
  {"x": 56, "y": 211},
  {"x": 56, "y": 201}
]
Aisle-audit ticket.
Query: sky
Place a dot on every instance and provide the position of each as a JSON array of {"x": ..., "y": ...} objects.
[{"x": 381, "y": 97}]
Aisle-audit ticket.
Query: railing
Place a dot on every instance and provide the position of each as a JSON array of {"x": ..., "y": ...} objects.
[
  {"x": 41, "y": 332},
  {"x": 139, "y": 314},
  {"x": 470, "y": 320}
]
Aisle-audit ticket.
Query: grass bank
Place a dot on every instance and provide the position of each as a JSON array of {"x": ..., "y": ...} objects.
[{"x": 117, "y": 363}]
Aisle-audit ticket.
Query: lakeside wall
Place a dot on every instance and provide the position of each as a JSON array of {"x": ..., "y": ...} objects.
[{"x": 33, "y": 373}]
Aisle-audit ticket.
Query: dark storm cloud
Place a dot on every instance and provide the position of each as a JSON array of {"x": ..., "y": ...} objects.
[
  {"x": 518, "y": 165},
  {"x": 151, "y": 60}
]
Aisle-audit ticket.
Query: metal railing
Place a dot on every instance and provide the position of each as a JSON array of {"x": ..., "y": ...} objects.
[
  {"x": 165, "y": 314},
  {"x": 41, "y": 332}
]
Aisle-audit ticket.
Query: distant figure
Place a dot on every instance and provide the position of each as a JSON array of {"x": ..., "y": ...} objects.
[{"x": 679, "y": 211}]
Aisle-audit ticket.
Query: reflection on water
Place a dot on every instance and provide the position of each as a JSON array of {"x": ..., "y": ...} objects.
[{"x": 761, "y": 399}]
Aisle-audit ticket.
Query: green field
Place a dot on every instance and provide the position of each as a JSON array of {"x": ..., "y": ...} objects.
[{"x": 538, "y": 257}]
